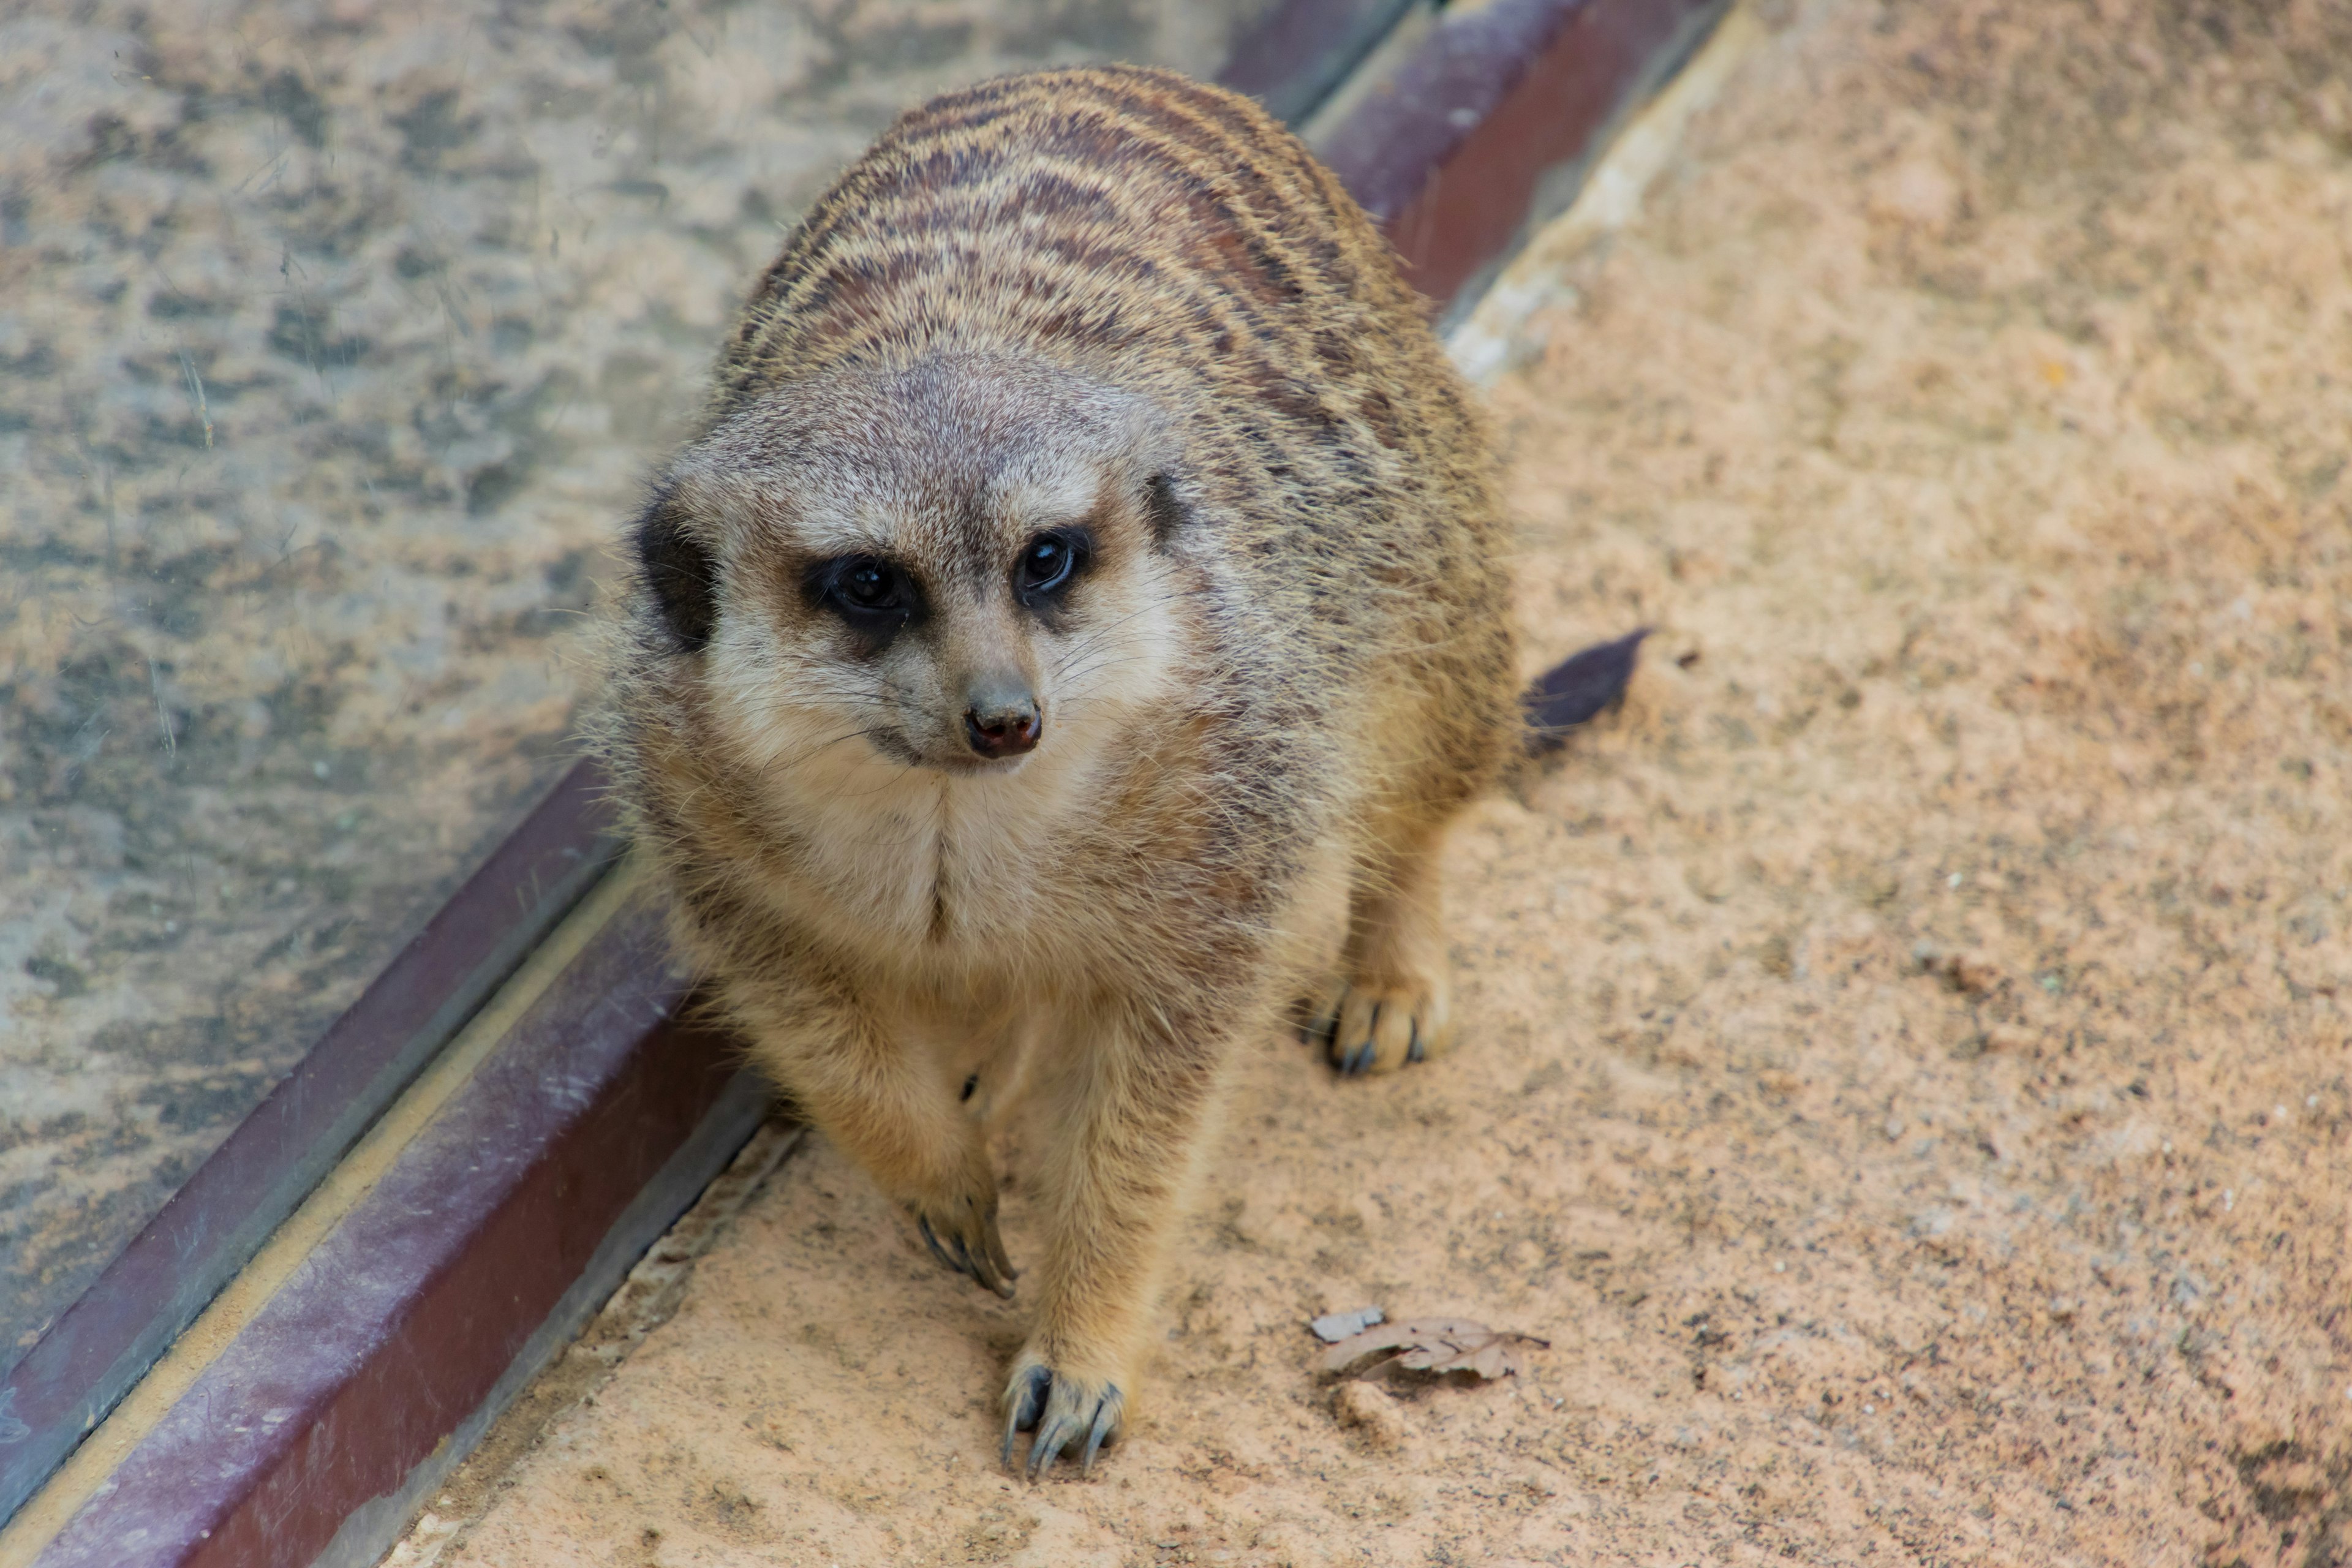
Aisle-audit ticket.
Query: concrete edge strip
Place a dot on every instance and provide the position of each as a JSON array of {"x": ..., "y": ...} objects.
[
  {"x": 1489, "y": 125},
  {"x": 447, "y": 1503},
  {"x": 1489, "y": 337},
  {"x": 103, "y": 1344},
  {"x": 741, "y": 1111},
  {"x": 432, "y": 1274},
  {"x": 233, "y": 1309}
]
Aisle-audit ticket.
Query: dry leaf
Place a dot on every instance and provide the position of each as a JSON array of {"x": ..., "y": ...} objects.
[{"x": 1433, "y": 1345}]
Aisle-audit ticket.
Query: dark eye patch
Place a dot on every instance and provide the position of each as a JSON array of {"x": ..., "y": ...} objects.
[
  {"x": 680, "y": 573},
  {"x": 875, "y": 596}
]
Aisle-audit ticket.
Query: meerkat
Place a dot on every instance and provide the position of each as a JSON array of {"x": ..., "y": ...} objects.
[{"x": 1087, "y": 569}]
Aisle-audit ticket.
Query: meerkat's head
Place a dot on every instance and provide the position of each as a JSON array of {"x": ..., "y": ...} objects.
[{"x": 950, "y": 567}]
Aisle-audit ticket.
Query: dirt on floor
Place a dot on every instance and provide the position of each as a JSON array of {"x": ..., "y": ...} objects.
[{"x": 1905, "y": 1052}]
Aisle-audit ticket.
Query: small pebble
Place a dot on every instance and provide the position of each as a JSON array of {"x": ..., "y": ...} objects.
[{"x": 1333, "y": 1327}]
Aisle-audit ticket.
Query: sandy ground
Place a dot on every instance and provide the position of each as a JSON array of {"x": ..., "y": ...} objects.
[
  {"x": 1905, "y": 1052},
  {"x": 334, "y": 338}
]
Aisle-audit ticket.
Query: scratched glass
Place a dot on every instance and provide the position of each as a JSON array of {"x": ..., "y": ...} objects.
[{"x": 334, "y": 341}]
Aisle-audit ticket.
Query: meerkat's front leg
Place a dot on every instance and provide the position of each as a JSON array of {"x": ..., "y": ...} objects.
[
  {"x": 1129, "y": 1112},
  {"x": 888, "y": 1110}
]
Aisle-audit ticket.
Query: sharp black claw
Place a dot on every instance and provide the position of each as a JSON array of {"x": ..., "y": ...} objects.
[
  {"x": 993, "y": 1245},
  {"x": 1105, "y": 1416},
  {"x": 930, "y": 1240},
  {"x": 1356, "y": 1061},
  {"x": 1412, "y": 1050},
  {"x": 1025, "y": 1412},
  {"x": 1032, "y": 1398},
  {"x": 1047, "y": 1445}
]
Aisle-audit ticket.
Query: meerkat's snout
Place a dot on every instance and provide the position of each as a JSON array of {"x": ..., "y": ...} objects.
[
  {"x": 1002, "y": 720},
  {"x": 983, "y": 684}
]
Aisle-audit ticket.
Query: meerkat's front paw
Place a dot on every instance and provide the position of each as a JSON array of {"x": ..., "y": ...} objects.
[
  {"x": 1061, "y": 1409},
  {"x": 1381, "y": 1027},
  {"x": 961, "y": 1233}
]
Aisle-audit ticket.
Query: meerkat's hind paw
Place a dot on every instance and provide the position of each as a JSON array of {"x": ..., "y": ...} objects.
[
  {"x": 1061, "y": 1410},
  {"x": 1380, "y": 1029}
]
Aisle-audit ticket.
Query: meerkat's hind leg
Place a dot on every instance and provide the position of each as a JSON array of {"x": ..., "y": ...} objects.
[{"x": 1396, "y": 1007}]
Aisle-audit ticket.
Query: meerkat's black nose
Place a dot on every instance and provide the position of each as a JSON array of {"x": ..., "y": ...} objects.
[{"x": 1001, "y": 722}]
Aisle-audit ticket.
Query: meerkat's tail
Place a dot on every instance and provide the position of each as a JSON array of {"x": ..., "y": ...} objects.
[{"x": 1574, "y": 691}]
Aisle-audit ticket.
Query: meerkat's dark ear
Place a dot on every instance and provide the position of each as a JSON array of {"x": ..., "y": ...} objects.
[
  {"x": 680, "y": 572},
  {"x": 1164, "y": 507}
]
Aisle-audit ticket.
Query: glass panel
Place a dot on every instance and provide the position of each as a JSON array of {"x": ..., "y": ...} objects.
[{"x": 334, "y": 340}]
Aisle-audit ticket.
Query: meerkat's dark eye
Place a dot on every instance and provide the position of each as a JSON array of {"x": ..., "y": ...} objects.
[
  {"x": 1048, "y": 563},
  {"x": 870, "y": 585},
  {"x": 875, "y": 596},
  {"x": 1045, "y": 566}
]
